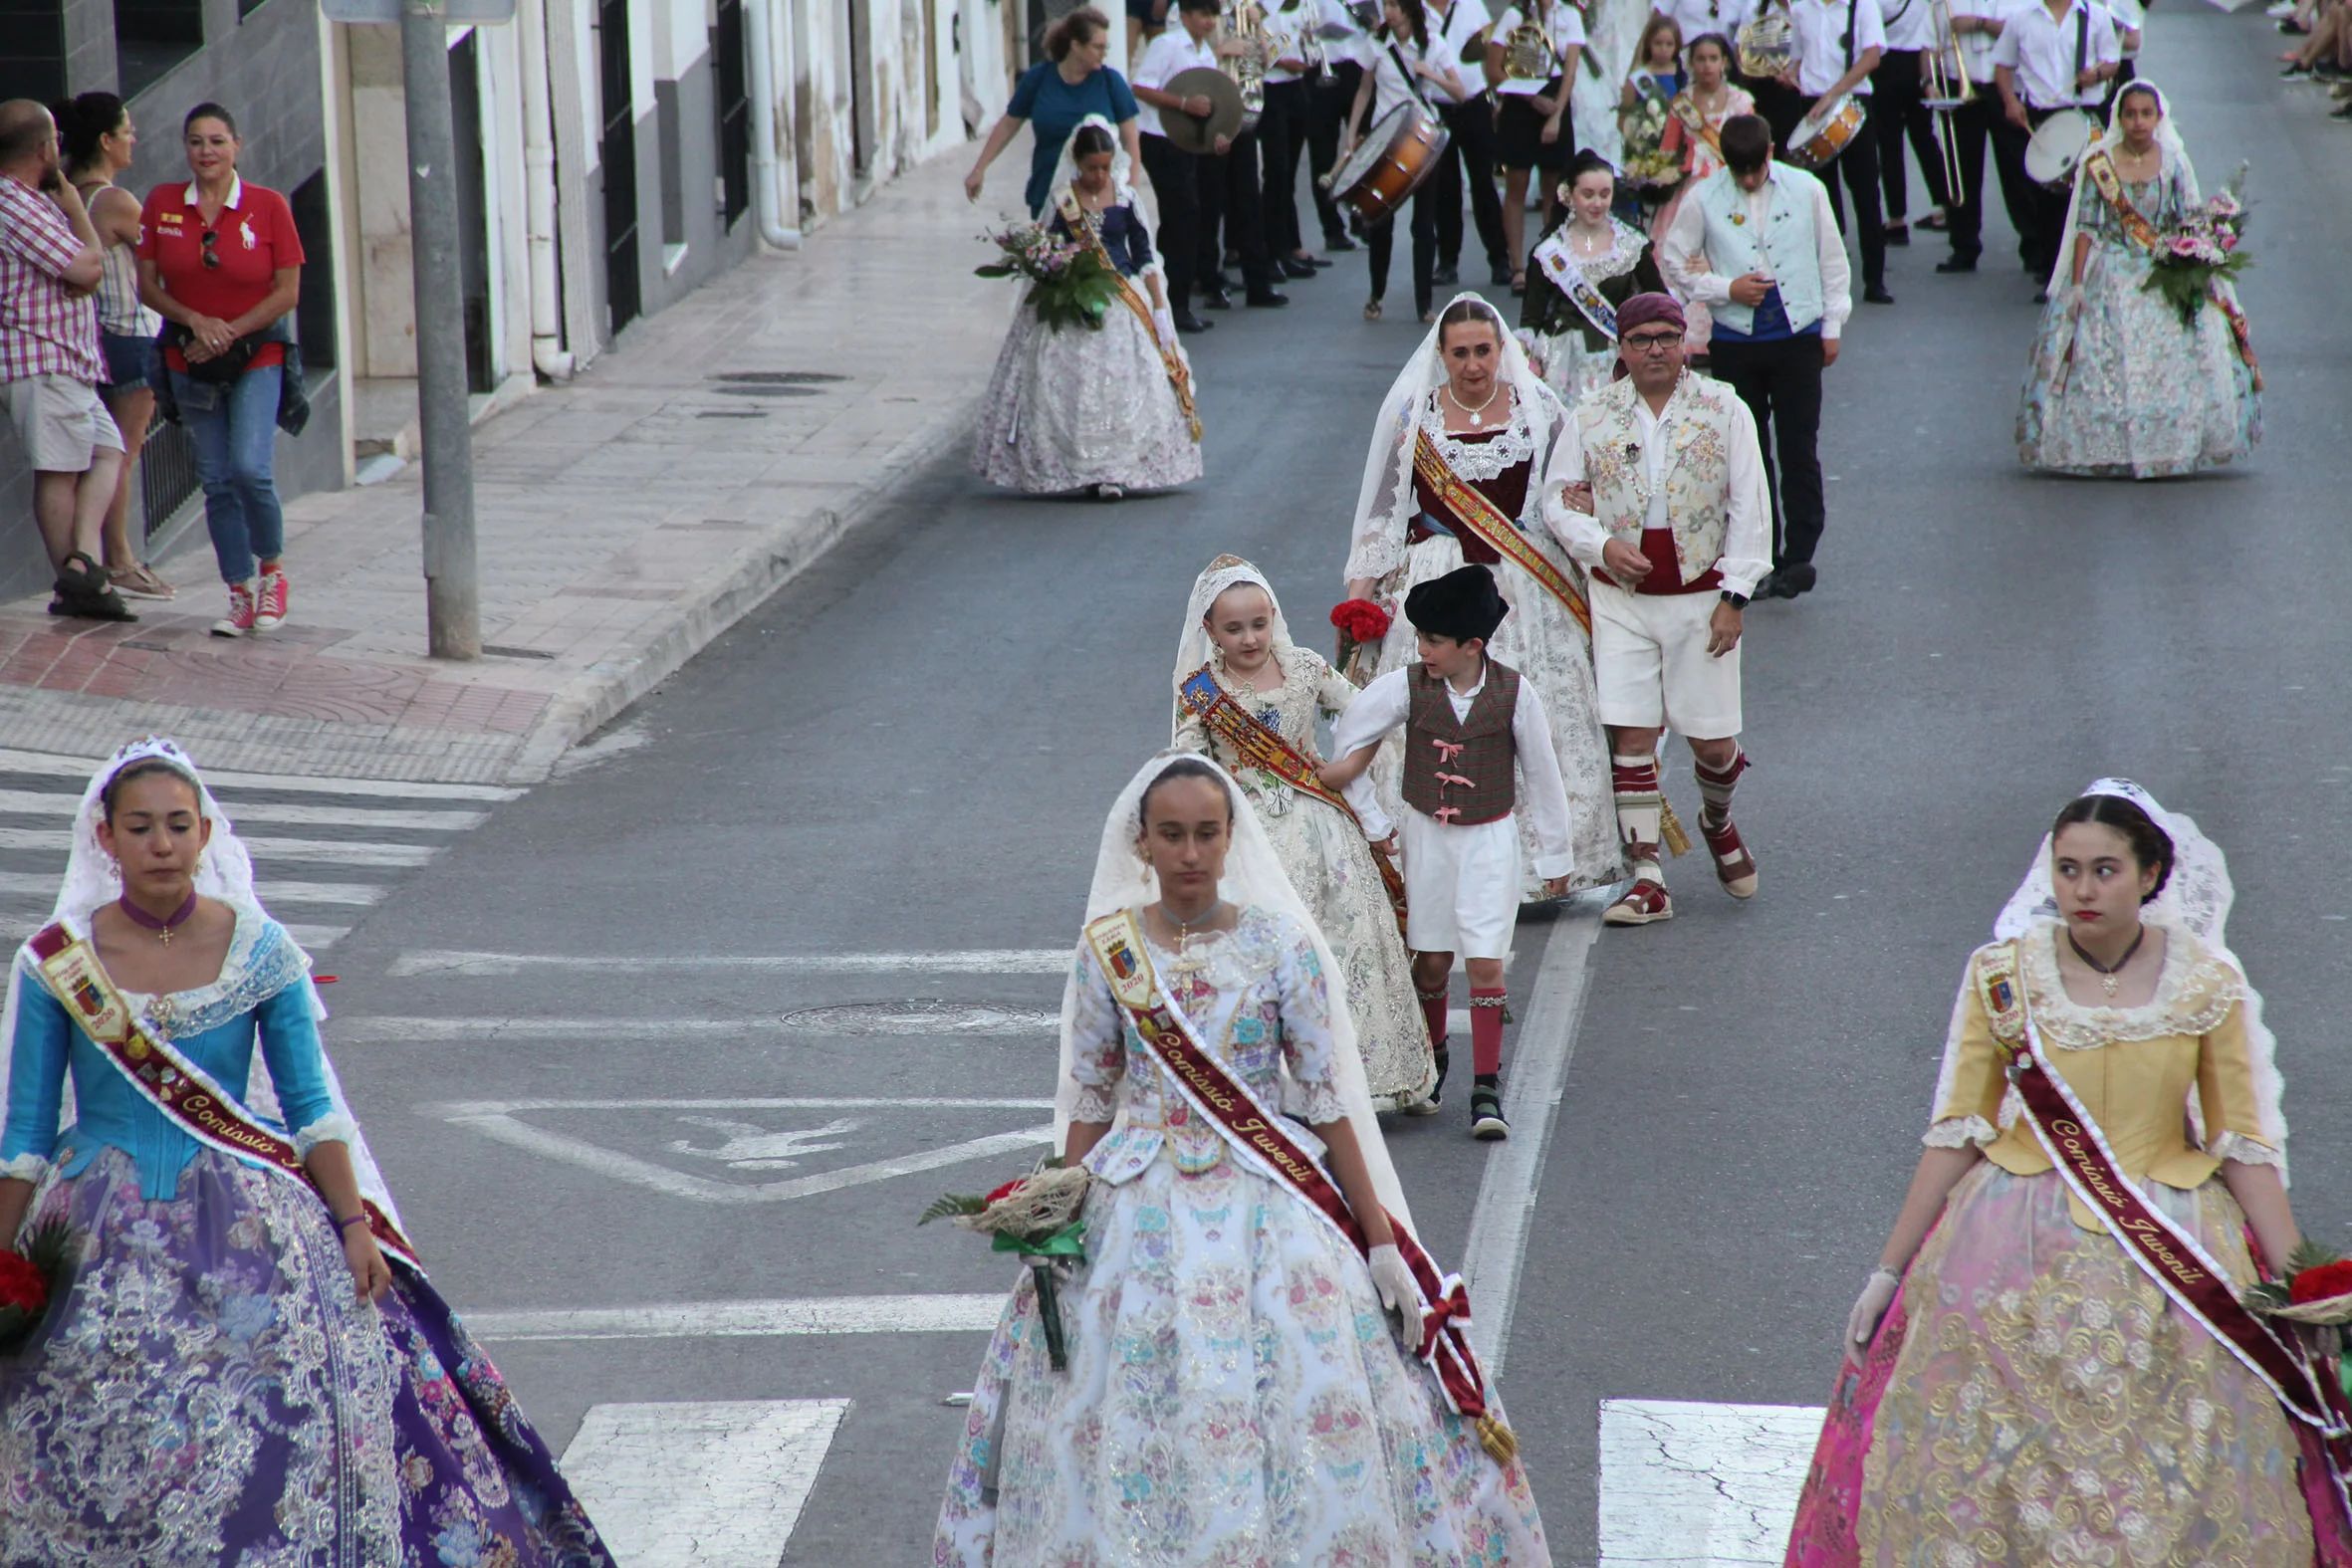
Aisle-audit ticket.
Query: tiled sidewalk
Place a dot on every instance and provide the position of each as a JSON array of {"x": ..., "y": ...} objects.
[{"x": 623, "y": 520}]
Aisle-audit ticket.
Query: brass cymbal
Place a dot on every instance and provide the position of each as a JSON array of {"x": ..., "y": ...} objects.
[{"x": 1191, "y": 132}]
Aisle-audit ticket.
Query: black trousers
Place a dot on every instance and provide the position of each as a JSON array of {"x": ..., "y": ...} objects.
[
  {"x": 1233, "y": 214},
  {"x": 1176, "y": 187},
  {"x": 1282, "y": 131},
  {"x": 1469, "y": 155},
  {"x": 1781, "y": 382},
  {"x": 2048, "y": 204},
  {"x": 1973, "y": 124},
  {"x": 1781, "y": 106},
  {"x": 1856, "y": 169},
  {"x": 1334, "y": 96},
  {"x": 1380, "y": 238},
  {"x": 1897, "y": 107}
]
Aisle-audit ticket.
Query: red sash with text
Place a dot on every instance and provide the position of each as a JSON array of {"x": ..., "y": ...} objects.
[
  {"x": 1262, "y": 747},
  {"x": 1255, "y": 1133},
  {"x": 2303, "y": 1383},
  {"x": 1478, "y": 515},
  {"x": 69, "y": 968}
]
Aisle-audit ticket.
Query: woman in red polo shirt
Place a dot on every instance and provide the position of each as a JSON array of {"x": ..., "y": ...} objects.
[{"x": 221, "y": 262}]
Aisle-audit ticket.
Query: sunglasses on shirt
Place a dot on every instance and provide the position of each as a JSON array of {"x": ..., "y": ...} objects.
[{"x": 211, "y": 256}]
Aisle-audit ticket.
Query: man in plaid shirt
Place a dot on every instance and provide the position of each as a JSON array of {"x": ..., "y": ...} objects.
[{"x": 50, "y": 365}]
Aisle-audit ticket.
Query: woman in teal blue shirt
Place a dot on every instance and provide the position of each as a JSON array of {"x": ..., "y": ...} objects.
[{"x": 1053, "y": 94}]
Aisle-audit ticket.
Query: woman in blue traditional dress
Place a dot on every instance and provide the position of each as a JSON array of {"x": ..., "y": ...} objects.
[
  {"x": 2119, "y": 387},
  {"x": 230, "y": 1373}
]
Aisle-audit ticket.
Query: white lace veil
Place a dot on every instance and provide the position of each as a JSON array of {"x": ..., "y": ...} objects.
[
  {"x": 2195, "y": 898},
  {"x": 1384, "y": 502},
  {"x": 1252, "y": 875},
  {"x": 225, "y": 872},
  {"x": 2175, "y": 154},
  {"x": 1193, "y": 645},
  {"x": 1122, "y": 179}
]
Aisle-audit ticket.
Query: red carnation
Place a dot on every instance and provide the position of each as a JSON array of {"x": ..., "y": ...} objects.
[
  {"x": 22, "y": 1286},
  {"x": 1361, "y": 619},
  {"x": 1005, "y": 1191},
  {"x": 2322, "y": 1282}
]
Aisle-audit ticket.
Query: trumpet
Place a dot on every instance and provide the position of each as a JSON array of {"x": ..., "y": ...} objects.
[
  {"x": 1248, "y": 69},
  {"x": 1766, "y": 46},
  {"x": 1947, "y": 89}
]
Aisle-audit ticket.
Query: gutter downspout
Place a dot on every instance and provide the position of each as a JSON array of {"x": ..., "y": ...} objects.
[
  {"x": 767, "y": 196},
  {"x": 547, "y": 356}
]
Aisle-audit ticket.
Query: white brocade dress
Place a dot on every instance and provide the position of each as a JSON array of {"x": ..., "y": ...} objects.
[
  {"x": 1326, "y": 855},
  {"x": 1540, "y": 638},
  {"x": 1074, "y": 407},
  {"x": 1235, "y": 1395}
]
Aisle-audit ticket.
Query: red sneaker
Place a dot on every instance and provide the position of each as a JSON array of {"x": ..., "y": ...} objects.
[
  {"x": 1734, "y": 867},
  {"x": 1644, "y": 904},
  {"x": 269, "y": 610},
  {"x": 239, "y": 620}
]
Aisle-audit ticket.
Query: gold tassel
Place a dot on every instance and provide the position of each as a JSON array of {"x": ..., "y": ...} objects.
[
  {"x": 1500, "y": 1444},
  {"x": 1670, "y": 828}
]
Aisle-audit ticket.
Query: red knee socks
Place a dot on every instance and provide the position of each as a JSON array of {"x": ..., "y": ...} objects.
[
  {"x": 1485, "y": 1032},
  {"x": 1433, "y": 1013}
]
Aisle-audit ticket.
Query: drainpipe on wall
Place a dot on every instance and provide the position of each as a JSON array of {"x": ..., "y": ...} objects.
[
  {"x": 766, "y": 190},
  {"x": 547, "y": 356}
]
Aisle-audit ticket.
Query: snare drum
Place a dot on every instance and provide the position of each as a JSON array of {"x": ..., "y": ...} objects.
[
  {"x": 2057, "y": 147},
  {"x": 1390, "y": 163},
  {"x": 1825, "y": 132}
]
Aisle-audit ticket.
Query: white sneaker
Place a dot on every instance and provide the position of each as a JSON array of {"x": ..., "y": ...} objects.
[{"x": 2279, "y": 8}]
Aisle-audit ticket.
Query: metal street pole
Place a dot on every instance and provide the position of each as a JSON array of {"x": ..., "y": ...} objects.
[{"x": 453, "y": 595}]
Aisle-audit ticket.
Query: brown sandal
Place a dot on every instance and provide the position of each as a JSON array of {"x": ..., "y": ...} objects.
[{"x": 1371, "y": 309}]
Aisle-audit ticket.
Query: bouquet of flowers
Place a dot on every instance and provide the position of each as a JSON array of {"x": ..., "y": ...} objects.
[
  {"x": 2317, "y": 1291},
  {"x": 1037, "y": 1217},
  {"x": 2201, "y": 249},
  {"x": 1070, "y": 284},
  {"x": 1360, "y": 621},
  {"x": 28, "y": 1280}
]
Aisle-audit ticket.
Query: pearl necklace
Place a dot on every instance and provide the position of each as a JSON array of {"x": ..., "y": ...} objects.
[{"x": 1475, "y": 416}]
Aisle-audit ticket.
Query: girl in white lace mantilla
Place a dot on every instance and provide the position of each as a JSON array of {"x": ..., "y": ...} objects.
[
  {"x": 1493, "y": 423},
  {"x": 1233, "y": 629},
  {"x": 1236, "y": 1392}
]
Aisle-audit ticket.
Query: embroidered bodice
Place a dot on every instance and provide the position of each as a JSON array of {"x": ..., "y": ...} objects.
[
  {"x": 1499, "y": 464},
  {"x": 260, "y": 992},
  {"x": 1627, "y": 267},
  {"x": 1256, "y": 998},
  {"x": 2132, "y": 1067},
  {"x": 1123, "y": 233},
  {"x": 1310, "y": 689},
  {"x": 2163, "y": 199}
]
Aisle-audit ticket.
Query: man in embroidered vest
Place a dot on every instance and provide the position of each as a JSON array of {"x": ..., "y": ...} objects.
[
  {"x": 1756, "y": 243},
  {"x": 1660, "y": 494},
  {"x": 1474, "y": 731}
]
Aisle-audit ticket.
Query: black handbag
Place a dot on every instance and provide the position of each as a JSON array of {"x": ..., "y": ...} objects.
[{"x": 224, "y": 367}]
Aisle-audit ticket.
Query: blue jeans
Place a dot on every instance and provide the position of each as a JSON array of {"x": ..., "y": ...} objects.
[{"x": 234, "y": 428}]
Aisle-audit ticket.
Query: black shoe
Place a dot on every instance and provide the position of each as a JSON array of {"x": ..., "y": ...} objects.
[
  {"x": 1957, "y": 263},
  {"x": 85, "y": 592},
  {"x": 1317, "y": 262},
  {"x": 1429, "y": 1106},
  {"x": 1898, "y": 233},
  {"x": 1499, "y": 274},
  {"x": 1216, "y": 300},
  {"x": 2293, "y": 68},
  {"x": 1339, "y": 242},
  {"x": 1446, "y": 277},
  {"x": 1786, "y": 583},
  {"x": 1936, "y": 222},
  {"x": 1267, "y": 298},
  {"x": 1877, "y": 293},
  {"x": 1294, "y": 269},
  {"x": 1215, "y": 278},
  {"x": 2041, "y": 297},
  {"x": 2329, "y": 70},
  {"x": 1485, "y": 1109},
  {"x": 1186, "y": 322}
]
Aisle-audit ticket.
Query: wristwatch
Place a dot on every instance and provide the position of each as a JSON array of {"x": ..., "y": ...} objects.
[{"x": 1738, "y": 601}]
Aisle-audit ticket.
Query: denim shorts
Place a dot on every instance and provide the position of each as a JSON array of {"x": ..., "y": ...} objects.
[{"x": 131, "y": 361}]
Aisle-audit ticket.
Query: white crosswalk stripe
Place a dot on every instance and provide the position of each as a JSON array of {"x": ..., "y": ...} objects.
[
  {"x": 1701, "y": 1486},
  {"x": 347, "y": 835},
  {"x": 716, "y": 1485}
]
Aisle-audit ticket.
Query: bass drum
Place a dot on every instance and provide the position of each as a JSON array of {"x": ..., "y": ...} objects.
[
  {"x": 1390, "y": 163},
  {"x": 1825, "y": 132},
  {"x": 2058, "y": 144}
]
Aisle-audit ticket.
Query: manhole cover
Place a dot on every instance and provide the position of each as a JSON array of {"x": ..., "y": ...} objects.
[
  {"x": 764, "y": 390},
  {"x": 778, "y": 377},
  {"x": 916, "y": 1016}
]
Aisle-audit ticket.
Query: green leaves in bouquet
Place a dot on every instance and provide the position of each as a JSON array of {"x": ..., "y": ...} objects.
[
  {"x": 2269, "y": 1295},
  {"x": 1080, "y": 297},
  {"x": 954, "y": 1204}
]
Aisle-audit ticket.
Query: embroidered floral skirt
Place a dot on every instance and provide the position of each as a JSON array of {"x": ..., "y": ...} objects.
[
  {"x": 1076, "y": 407},
  {"x": 2032, "y": 1397},
  {"x": 1235, "y": 1396},
  {"x": 1541, "y": 640},
  {"x": 209, "y": 1391}
]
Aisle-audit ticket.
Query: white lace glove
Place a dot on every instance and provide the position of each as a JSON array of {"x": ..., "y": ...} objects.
[
  {"x": 1869, "y": 1308},
  {"x": 1164, "y": 323},
  {"x": 1393, "y": 1280}
]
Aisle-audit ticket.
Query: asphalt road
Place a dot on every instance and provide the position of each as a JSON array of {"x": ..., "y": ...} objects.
[{"x": 910, "y": 749}]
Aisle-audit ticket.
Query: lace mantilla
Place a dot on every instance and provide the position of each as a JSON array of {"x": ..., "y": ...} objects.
[
  {"x": 1513, "y": 445},
  {"x": 2194, "y": 994},
  {"x": 263, "y": 961},
  {"x": 1623, "y": 255}
]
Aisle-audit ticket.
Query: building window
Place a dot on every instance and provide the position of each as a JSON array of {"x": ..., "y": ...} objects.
[
  {"x": 34, "y": 62},
  {"x": 152, "y": 36},
  {"x": 733, "y": 107},
  {"x": 313, "y": 314}
]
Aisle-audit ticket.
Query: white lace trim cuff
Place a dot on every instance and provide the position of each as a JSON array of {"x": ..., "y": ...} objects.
[
  {"x": 1957, "y": 1132},
  {"x": 1318, "y": 1104},
  {"x": 1094, "y": 1105},
  {"x": 2244, "y": 1150},
  {"x": 25, "y": 1168},
  {"x": 337, "y": 1128}
]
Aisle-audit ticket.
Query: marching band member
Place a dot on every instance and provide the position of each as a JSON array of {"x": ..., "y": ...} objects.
[
  {"x": 2052, "y": 55},
  {"x": 1470, "y": 147},
  {"x": 1401, "y": 45},
  {"x": 1978, "y": 25},
  {"x": 1284, "y": 126},
  {"x": 1473, "y": 731},
  {"x": 1176, "y": 175},
  {"x": 1694, "y": 132},
  {"x": 1452, "y": 477},
  {"x": 1233, "y": 213},
  {"x": 1532, "y": 130},
  {"x": 1344, "y": 57},
  {"x": 1839, "y": 43},
  {"x": 1697, "y": 18},
  {"x": 1663, "y": 490},
  {"x": 1898, "y": 110},
  {"x": 1586, "y": 268},
  {"x": 1756, "y": 241}
]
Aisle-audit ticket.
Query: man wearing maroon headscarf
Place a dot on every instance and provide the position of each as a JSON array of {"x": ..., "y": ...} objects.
[{"x": 1661, "y": 495}]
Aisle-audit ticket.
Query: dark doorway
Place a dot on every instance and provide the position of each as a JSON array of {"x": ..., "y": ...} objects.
[
  {"x": 622, "y": 296},
  {"x": 734, "y": 108},
  {"x": 861, "y": 64},
  {"x": 473, "y": 215}
]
